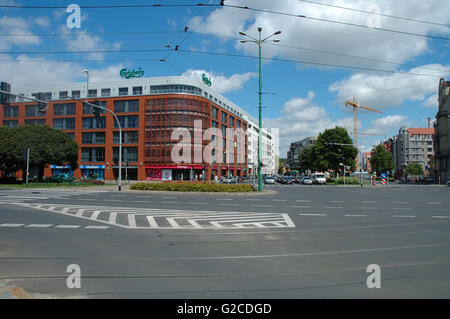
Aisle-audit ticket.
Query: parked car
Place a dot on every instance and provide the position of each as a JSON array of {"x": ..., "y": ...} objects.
[
  {"x": 287, "y": 180},
  {"x": 448, "y": 183},
  {"x": 318, "y": 178},
  {"x": 298, "y": 179},
  {"x": 307, "y": 180},
  {"x": 269, "y": 180},
  {"x": 229, "y": 179}
]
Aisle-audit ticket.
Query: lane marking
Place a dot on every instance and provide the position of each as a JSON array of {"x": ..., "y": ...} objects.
[
  {"x": 313, "y": 215},
  {"x": 68, "y": 226},
  {"x": 279, "y": 200},
  {"x": 253, "y": 199},
  {"x": 300, "y": 206},
  {"x": 96, "y": 227},
  {"x": 198, "y": 203},
  {"x": 170, "y": 202},
  {"x": 303, "y": 201},
  {"x": 39, "y": 225},
  {"x": 229, "y": 204},
  {"x": 224, "y": 199},
  {"x": 131, "y": 220},
  {"x": 333, "y": 207},
  {"x": 350, "y": 215},
  {"x": 336, "y": 201},
  {"x": 11, "y": 225},
  {"x": 402, "y": 208},
  {"x": 112, "y": 217},
  {"x": 401, "y": 203},
  {"x": 368, "y": 208},
  {"x": 442, "y": 217},
  {"x": 434, "y": 203},
  {"x": 367, "y": 202},
  {"x": 262, "y": 205}
]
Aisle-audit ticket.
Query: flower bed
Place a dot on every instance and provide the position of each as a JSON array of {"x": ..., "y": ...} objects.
[{"x": 192, "y": 187}]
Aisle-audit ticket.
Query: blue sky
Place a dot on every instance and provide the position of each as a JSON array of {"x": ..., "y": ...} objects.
[{"x": 305, "y": 98}]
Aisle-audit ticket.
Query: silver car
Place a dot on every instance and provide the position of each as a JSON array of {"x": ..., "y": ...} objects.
[{"x": 269, "y": 180}]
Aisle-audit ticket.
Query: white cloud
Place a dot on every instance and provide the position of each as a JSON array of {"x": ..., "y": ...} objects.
[
  {"x": 15, "y": 25},
  {"x": 432, "y": 101},
  {"x": 32, "y": 71},
  {"x": 388, "y": 90},
  {"x": 388, "y": 124},
  {"x": 307, "y": 33},
  {"x": 220, "y": 82},
  {"x": 301, "y": 118}
]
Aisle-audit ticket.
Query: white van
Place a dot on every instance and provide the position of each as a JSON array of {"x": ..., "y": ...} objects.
[{"x": 318, "y": 178}]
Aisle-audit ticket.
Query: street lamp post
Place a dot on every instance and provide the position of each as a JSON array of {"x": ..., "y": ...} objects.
[
  {"x": 118, "y": 123},
  {"x": 259, "y": 42}
]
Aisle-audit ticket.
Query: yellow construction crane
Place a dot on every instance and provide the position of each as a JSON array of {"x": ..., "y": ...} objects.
[{"x": 355, "y": 106}]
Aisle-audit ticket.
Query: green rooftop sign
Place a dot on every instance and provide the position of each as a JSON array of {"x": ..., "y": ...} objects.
[
  {"x": 206, "y": 80},
  {"x": 127, "y": 73}
]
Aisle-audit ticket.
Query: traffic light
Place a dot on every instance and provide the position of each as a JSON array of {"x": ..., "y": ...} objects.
[
  {"x": 96, "y": 110},
  {"x": 42, "y": 107},
  {"x": 5, "y": 99}
]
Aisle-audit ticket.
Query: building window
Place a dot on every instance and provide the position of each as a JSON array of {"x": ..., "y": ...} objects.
[
  {"x": 45, "y": 96},
  {"x": 10, "y": 111},
  {"x": 63, "y": 95},
  {"x": 224, "y": 117},
  {"x": 64, "y": 109},
  {"x": 35, "y": 121},
  {"x": 93, "y": 154},
  {"x": 231, "y": 121},
  {"x": 214, "y": 124},
  {"x": 158, "y": 89},
  {"x": 125, "y": 106},
  {"x": 106, "y": 92},
  {"x": 64, "y": 124},
  {"x": 123, "y": 91},
  {"x": 32, "y": 110},
  {"x": 128, "y": 137},
  {"x": 224, "y": 130},
  {"x": 76, "y": 94},
  {"x": 87, "y": 109},
  {"x": 94, "y": 122},
  {"x": 130, "y": 121},
  {"x": 129, "y": 154},
  {"x": 92, "y": 93},
  {"x": 93, "y": 138},
  {"x": 214, "y": 112},
  {"x": 10, "y": 123},
  {"x": 137, "y": 90}
]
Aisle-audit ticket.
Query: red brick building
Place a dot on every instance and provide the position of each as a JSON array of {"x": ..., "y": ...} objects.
[{"x": 149, "y": 110}]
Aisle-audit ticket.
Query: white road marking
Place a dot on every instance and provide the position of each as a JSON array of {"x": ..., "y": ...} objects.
[
  {"x": 11, "y": 225},
  {"x": 333, "y": 207},
  {"x": 441, "y": 209},
  {"x": 400, "y": 203},
  {"x": 366, "y": 202},
  {"x": 112, "y": 217},
  {"x": 434, "y": 203},
  {"x": 141, "y": 201},
  {"x": 402, "y": 208},
  {"x": 96, "y": 227},
  {"x": 198, "y": 203},
  {"x": 224, "y": 198},
  {"x": 230, "y": 204},
  {"x": 279, "y": 200},
  {"x": 39, "y": 225},
  {"x": 336, "y": 201},
  {"x": 95, "y": 214},
  {"x": 131, "y": 220},
  {"x": 68, "y": 226},
  {"x": 313, "y": 214},
  {"x": 303, "y": 201},
  {"x": 368, "y": 207},
  {"x": 441, "y": 217},
  {"x": 170, "y": 202},
  {"x": 171, "y": 197},
  {"x": 300, "y": 206},
  {"x": 253, "y": 199},
  {"x": 403, "y": 216},
  {"x": 349, "y": 215}
]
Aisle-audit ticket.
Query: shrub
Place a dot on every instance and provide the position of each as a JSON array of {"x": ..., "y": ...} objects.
[
  {"x": 192, "y": 187},
  {"x": 348, "y": 181}
]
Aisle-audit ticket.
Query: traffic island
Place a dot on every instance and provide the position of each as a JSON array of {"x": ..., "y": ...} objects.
[{"x": 198, "y": 187}]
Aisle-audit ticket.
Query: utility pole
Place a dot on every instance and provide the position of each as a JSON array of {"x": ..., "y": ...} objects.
[{"x": 259, "y": 42}]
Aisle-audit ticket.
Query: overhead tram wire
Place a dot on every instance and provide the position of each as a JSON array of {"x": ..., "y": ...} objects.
[
  {"x": 228, "y": 55},
  {"x": 235, "y": 7},
  {"x": 374, "y": 13},
  {"x": 226, "y": 37}
]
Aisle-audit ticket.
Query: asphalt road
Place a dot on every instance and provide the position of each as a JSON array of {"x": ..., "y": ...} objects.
[{"x": 293, "y": 242}]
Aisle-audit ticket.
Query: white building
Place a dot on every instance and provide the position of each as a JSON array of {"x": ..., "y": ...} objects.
[{"x": 268, "y": 148}]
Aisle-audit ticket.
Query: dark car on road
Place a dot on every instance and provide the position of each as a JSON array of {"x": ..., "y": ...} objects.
[{"x": 287, "y": 180}]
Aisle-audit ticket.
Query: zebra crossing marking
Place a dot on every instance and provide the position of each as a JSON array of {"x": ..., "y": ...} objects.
[{"x": 144, "y": 218}]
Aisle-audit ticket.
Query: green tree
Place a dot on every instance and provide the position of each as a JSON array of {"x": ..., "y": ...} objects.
[
  {"x": 382, "y": 160},
  {"x": 306, "y": 159},
  {"x": 47, "y": 146},
  {"x": 328, "y": 155},
  {"x": 414, "y": 169}
]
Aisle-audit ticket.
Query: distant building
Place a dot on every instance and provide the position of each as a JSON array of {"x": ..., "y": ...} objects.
[
  {"x": 295, "y": 150},
  {"x": 442, "y": 127},
  {"x": 269, "y": 162},
  {"x": 413, "y": 145},
  {"x": 367, "y": 166}
]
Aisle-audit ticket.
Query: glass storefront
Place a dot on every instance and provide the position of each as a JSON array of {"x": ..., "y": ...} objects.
[{"x": 93, "y": 172}]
